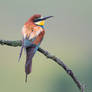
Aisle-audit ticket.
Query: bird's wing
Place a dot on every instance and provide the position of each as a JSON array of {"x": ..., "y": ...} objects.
[
  {"x": 21, "y": 52},
  {"x": 31, "y": 37},
  {"x": 35, "y": 32}
]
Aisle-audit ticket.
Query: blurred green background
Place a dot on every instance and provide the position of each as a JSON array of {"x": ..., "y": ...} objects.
[{"x": 68, "y": 36}]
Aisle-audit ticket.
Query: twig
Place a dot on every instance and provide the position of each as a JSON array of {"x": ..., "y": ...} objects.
[{"x": 48, "y": 55}]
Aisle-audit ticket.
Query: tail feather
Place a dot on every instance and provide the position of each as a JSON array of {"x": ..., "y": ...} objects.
[{"x": 29, "y": 55}]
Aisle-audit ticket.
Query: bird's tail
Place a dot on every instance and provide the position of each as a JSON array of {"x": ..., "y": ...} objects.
[{"x": 29, "y": 55}]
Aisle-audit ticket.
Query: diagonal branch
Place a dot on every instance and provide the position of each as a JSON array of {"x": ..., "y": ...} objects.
[{"x": 48, "y": 55}]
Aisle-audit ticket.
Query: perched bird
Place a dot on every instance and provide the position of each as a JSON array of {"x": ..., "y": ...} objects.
[{"x": 33, "y": 33}]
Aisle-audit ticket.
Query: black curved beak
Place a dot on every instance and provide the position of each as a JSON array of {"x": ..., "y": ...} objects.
[{"x": 40, "y": 19}]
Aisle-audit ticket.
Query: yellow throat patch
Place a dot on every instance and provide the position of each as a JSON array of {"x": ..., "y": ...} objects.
[{"x": 41, "y": 23}]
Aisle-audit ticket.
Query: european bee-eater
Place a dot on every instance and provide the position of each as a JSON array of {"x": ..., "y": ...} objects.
[{"x": 33, "y": 33}]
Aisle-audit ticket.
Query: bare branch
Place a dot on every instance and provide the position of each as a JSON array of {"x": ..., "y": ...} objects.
[{"x": 48, "y": 55}]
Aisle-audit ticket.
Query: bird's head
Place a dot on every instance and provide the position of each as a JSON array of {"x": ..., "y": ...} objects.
[{"x": 38, "y": 20}]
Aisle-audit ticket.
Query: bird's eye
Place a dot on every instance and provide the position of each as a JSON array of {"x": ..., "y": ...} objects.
[{"x": 32, "y": 30}]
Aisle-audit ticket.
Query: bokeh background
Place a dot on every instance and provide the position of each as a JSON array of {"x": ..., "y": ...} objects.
[{"x": 68, "y": 36}]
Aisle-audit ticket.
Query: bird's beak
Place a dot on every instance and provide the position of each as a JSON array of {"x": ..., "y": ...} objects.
[
  {"x": 46, "y": 18},
  {"x": 41, "y": 19}
]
